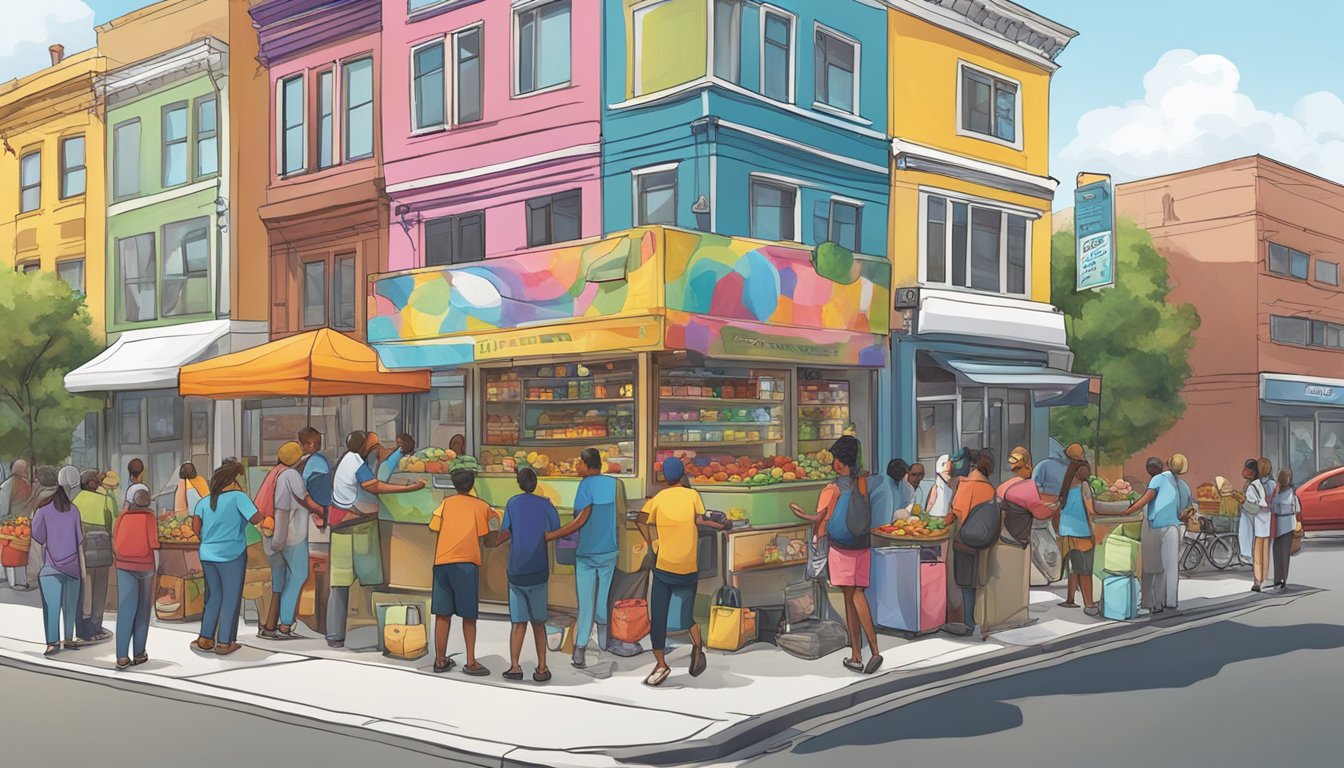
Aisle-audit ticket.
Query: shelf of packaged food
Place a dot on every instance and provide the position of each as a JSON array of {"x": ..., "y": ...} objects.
[
  {"x": 628, "y": 376},
  {"x": 688, "y": 445},
  {"x": 587, "y": 401},
  {"x": 677, "y": 423},
  {"x": 769, "y": 566},
  {"x": 823, "y": 421},
  {"x": 732, "y": 401},
  {"x": 540, "y": 441}
]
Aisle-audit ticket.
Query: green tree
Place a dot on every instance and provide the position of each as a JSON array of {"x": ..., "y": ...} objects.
[
  {"x": 1129, "y": 335},
  {"x": 45, "y": 336}
]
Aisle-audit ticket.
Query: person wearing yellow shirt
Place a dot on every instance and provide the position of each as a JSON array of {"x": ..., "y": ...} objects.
[
  {"x": 97, "y": 511},
  {"x": 677, "y": 512}
]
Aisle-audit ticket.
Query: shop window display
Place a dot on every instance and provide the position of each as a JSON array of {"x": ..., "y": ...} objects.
[{"x": 544, "y": 416}]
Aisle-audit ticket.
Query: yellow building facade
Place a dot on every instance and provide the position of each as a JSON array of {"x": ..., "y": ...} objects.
[
  {"x": 981, "y": 350},
  {"x": 52, "y": 190}
]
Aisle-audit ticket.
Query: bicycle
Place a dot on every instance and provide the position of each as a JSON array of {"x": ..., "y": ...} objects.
[{"x": 1220, "y": 549}]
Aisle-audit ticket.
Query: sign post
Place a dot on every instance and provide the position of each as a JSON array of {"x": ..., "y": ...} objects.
[{"x": 1094, "y": 228}]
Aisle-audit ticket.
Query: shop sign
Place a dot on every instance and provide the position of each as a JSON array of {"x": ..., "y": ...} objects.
[
  {"x": 1094, "y": 227},
  {"x": 1283, "y": 391},
  {"x": 741, "y": 343},
  {"x": 618, "y": 335}
]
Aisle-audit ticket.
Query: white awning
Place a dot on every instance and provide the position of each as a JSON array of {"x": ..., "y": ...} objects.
[
  {"x": 962, "y": 313},
  {"x": 149, "y": 358},
  {"x": 1049, "y": 386}
]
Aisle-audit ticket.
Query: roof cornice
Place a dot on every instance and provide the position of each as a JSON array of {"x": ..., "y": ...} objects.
[{"x": 1001, "y": 24}]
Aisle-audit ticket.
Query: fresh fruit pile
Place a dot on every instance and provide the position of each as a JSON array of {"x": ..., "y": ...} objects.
[
  {"x": 267, "y": 526},
  {"x": 500, "y": 460},
  {"x": 16, "y": 528},
  {"x": 435, "y": 461},
  {"x": 1206, "y": 492},
  {"x": 744, "y": 470},
  {"x": 1120, "y": 490},
  {"x": 919, "y": 527},
  {"x": 178, "y": 530}
]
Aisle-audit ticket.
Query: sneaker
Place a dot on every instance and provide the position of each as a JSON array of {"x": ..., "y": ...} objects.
[
  {"x": 335, "y": 643},
  {"x": 1145, "y": 612},
  {"x": 1092, "y": 610},
  {"x": 580, "y": 658}
]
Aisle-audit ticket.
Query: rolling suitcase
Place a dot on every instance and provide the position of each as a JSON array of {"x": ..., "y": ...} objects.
[
  {"x": 932, "y": 595},
  {"x": 1120, "y": 597},
  {"x": 894, "y": 589},
  {"x": 809, "y": 630}
]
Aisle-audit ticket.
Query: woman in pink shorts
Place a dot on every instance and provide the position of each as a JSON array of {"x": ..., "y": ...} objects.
[{"x": 849, "y": 564}]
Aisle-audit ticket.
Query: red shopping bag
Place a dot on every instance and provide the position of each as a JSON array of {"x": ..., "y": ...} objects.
[{"x": 630, "y": 620}]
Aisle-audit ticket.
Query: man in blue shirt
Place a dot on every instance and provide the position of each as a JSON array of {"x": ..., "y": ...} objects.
[
  {"x": 602, "y": 499},
  {"x": 890, "y": 496},
  {"x": 1049, "y": 474},
  {"x": 1161, "y": 538},
  {"x": 387, "y": 465}
]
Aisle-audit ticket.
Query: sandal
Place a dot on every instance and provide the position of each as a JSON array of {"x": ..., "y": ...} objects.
[
  {"x": 852, "y": 665},
  {"x": 123, "y": 663},
  {"x": 1069, "y": 604},
  {"x": 224, "y": 649},
  {"x": 73, "y": 645},
  {"x": 542, "y": 676},
  {"x": 873, "y": 665},
  {"x": 657, "y": 677},
  {"x": 475, "y": 670},
  {"x": 439, "y": 669},
  {"x": 141, "y": 659},
  {"x": 52, "y": 649},
  {"x": 203, "y": 645},
  {"x": 698, "y": 660},
  {"x": 511, "y": 675}
]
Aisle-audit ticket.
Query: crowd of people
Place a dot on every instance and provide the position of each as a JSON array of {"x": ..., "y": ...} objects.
[{"x": 86, "y": 532}]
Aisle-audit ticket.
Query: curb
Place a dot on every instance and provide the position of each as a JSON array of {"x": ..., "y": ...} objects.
[{"x": 759, "y": 730}]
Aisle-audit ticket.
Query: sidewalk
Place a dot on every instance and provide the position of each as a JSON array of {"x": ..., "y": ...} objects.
[{"x": 580, "y": 718}]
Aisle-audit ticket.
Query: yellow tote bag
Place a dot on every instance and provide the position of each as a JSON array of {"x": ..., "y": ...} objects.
[{"x": 731, "y": 628}]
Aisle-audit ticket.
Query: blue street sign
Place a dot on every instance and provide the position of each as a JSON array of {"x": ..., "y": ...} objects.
[{"x": 1094, "y": 226}]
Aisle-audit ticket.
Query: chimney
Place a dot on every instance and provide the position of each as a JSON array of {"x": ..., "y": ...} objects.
[{"x": 57, "y": 53}]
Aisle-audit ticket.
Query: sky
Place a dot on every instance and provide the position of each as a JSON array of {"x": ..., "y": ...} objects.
[{"x": 1148, "y": 86}]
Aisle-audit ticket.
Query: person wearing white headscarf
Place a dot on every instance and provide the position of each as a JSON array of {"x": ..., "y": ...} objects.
[{"x": 939, "y": 500}]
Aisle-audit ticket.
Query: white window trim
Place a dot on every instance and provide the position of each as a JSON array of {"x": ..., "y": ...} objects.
[
  {"x": 637, "y": 35},
  {"x": 709, "y": 41},
  {"x": 635, "y": 175},
  {"x": 520, "y": 6},
  {"x": 447, "y": 91},
  {"x": 818, "y": 104},
  {"x": 342, "y": 109},
  {"x": 1004, "y": 209},
  {"x": 302, "y": 76},
  {"x": 450, "y": 81},
  {"x": 780, "y": 181},
  {"x": 792, "y": 18},
  {"x": 830, "y": 217},
  {"x": 963, "y": 65}
]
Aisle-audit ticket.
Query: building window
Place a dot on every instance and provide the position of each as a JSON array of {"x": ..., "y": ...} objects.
[
  {"x": 138, "y": 278},
  {"x": 73, "y": 173},
  {"x": 72, "y": 272},
  {"x": 30, "y": 182},
  {"x": 988, "y": 105},
  {"x": 126, "y": 159},
  {"x": 656, "y": 196},
  {"x": 837, "y": 67},
  {"x": 428, "y": 89},
  {"x": 175, "y": 144},
  {"x": 314, "y": 294},
  {"x": 129, "y": 410},
  {"x": 777, "y": 56},
  {"x": 469, "y": 77},
  {"x": 186, "y": 267},
  {"x": 773, "y": 210},
  {"x": 1327, "y": 272},
  {"x": 326, "y": 120},
  {"x": 838, "y": 221},
  {"x": 344, "y": 294},
  {"x": 165, "y": 417},
  {"x": 1300, "y": 331},
  {"x": 29, "y": 267},
  {"x": 543, "y": 45},
  {"x": 728, "y": 40},
  {"x": 455, "y": 239},
  {"x": 1288, "y": 262},
  {"x": 554, "y": 218},
  {"x": 980, "y": 247},
  {"x": 292, "y": 130},
  {"x": 207, "y": 137},
  {"x": 417, "y": 5},
  {"x": 357, "y": 77}
]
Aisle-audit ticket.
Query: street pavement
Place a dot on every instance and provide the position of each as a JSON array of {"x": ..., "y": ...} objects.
[
  {"x": 1247, "y": 691},
  {"x": 1235, "y": 691}
]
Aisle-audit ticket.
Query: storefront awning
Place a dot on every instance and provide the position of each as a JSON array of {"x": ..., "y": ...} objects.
[
  {"x": 1049, "y": 386},
  {"x": 321, "y": 363},
  {"x": 148, "y": 358}
]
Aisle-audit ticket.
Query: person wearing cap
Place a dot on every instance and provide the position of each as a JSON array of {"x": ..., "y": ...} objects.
[
  {"x": 135, "y": 542},
  {"x": 1160, "y": 539},
  {"x": 287, "y": 546},
  {"x": 97, "y": 510},
  {"x": 677, "y": 512},
  {"x": 56, "y": 527}
]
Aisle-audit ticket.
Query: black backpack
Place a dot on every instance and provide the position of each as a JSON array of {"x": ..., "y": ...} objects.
[
  {"x": 1017, "y": 522},
  {"x": 981, "y": 528}
]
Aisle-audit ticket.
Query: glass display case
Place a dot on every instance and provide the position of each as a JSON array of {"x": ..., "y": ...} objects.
[
  {"x": 544, "y": 416},
  {"x": 823, "y": 412}
]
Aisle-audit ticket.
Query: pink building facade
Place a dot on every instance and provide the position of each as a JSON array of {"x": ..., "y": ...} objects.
[{"x": 491, "y": 126}]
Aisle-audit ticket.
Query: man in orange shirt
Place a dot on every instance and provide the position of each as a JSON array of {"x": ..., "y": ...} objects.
[{"x": 461, "y": 521}]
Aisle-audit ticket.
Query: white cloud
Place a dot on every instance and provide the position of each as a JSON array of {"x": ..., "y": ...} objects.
[
  {"x": 28, "y": 27},
  {"x": 1193, "y": 114}
]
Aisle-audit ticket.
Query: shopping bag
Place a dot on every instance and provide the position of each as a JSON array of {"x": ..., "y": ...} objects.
[
  {"x": 1298, "y": 536},
  {"x": 731, "y": 628},
  {"x": 630, "y": 620},
  {"x": 405, "y": 641}
]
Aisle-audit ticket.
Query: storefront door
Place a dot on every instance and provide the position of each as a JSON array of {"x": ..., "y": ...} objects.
[{"x": 149, "y": 426}]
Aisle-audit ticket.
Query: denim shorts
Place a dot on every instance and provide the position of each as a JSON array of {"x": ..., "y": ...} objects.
[
  {"x": 527, "y": 604},
  {"x": 456, "y": 590}
]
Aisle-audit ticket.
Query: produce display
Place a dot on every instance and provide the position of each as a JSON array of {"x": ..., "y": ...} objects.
[
  {"x": 437, "y": 461},
  {"x": 915, "y": 527},
  {"x": 502, "y": 460},
  {"x": 1120, "y": 490},
  {"x": 744, "y": 470},
  {"x": 177, "y": 530},
  {"x": 17, "y": 529}
]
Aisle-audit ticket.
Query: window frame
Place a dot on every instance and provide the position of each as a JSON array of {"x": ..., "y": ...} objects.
[
  {"x": 821, "y": 29},
  {"x": 117, "y": 152},
  {"x": 198, "y": 136},
  {"x": 337, "y": 260},
  {"x": 995, "y": 78},
  {"x": 1290, "y": 253},
  {"x": 30, "y": 266},
  {"x": 1031, "y": 218},
  {"x": 735, "y": 57},
  {"x": 304, "y": 293},
  {"x": 165, "y": 145},
  {"x": 858, "y": 206},
  {"x": 332, "y": 156},
  {"x": 516, "y": 11},
  {"x": 122, "y": 315},
  {"x": 282, "y": 129},
  {"x": 637, "y": 42},
  {"x": 639, "y": 216},
  {"x": 83, "y": 287},
  {"x": 792, "y": 19},
  {"x": 548, "y": 200},
  {"x": 187, "y": 273},
  {"x": 454, "y": 113},
  {"x": 35, "y": 186},
  {"x": 1317, "y": 272},
  {"x": 778, "y": 182},
  {"x": 416, "y": 129},
  {"x": 64, "y": 170},
  {"x": 454, "y": 222},
  {"x": 345, "y": 108}
]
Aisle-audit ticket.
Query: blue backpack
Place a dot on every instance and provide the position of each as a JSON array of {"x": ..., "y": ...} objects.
[{"x": 851, "y": 521}]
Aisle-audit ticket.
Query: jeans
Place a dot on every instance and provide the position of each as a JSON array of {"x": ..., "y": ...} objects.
[
  {"x": 671, "y": 605},
  {"x": 1283, "y": 551},
  {"x": 60, "y": 597},
  {"x": 1160, "y": 581},
  {"x": 96, "y": 584},
  {"x": 289, "y": 571},
  {"x": 223, "y": 599},
  {"x": 135, "y": 606},
  {"x": 592, "y": 579},
  {"x": 338, "y": 610}
]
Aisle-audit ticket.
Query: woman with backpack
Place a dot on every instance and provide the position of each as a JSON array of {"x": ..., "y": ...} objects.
[
  {"x": 1075, "y": 528},
  {"x": 970, "y": 566},
  {"x": 1285, "y": 509},
  {"x": 842, "y": 510}
]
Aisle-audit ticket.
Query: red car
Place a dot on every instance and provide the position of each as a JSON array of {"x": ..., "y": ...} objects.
[{"x": 1322, "y": 499}]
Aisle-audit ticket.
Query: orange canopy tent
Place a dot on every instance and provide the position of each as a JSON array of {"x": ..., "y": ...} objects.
[{"x": 321, "y": 363}]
